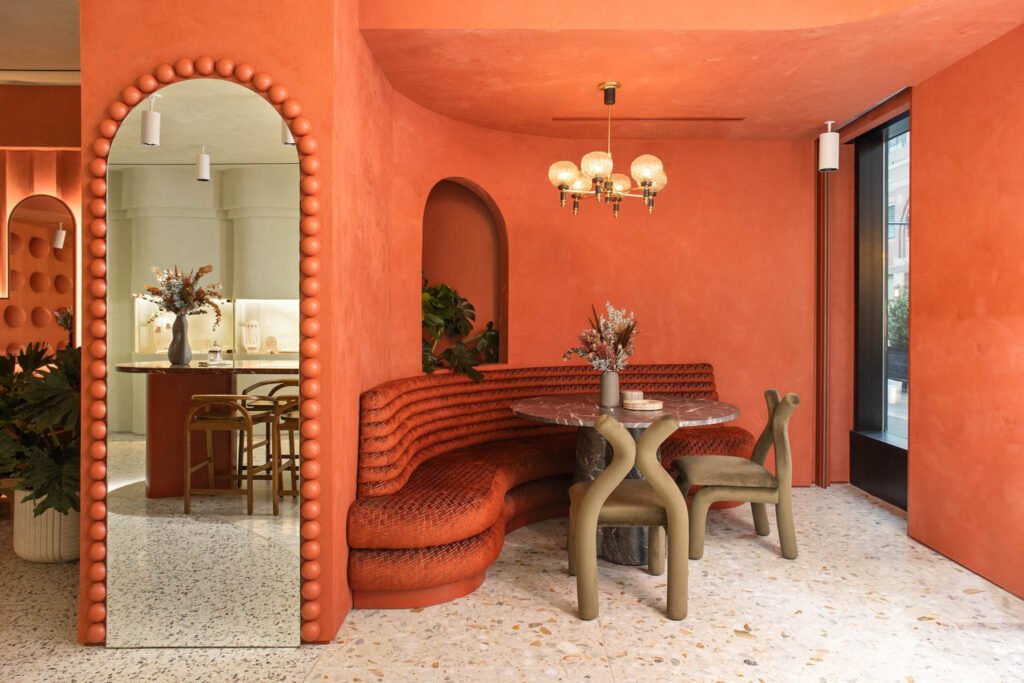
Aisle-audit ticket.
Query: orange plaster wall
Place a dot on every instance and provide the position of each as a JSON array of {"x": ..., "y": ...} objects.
[
  {"x": 966, "y": 462},
  {"x": 460, "y": 248},
  {"x": 723, "y": 271},
  {"x": 24, "y": 173},
  {"x": 297, "y": 46},
  {"x": 40, "y": 116}
]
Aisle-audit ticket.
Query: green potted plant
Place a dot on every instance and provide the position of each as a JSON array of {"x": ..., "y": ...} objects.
[
  {"x": 449, "y": 317},
  {"x": 40, "y": 436}
]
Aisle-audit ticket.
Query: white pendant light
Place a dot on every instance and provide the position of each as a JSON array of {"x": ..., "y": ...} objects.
[
  {"x": 286, "y": 134},
  {"x": 59, "y": 236},
  {"x": 203, "y": 166},
  {"x": 151, "y": 124},
  {"x": 828, "y": 150}
]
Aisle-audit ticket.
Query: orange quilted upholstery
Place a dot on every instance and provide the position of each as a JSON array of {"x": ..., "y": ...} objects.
[
  {"x": 458, "y": 495},
  {"x": 445, "y": 468}
]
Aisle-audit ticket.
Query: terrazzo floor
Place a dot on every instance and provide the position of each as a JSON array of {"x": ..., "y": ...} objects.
[{"x": 862, "y": 603}]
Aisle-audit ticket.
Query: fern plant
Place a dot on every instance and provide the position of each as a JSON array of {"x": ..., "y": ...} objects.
[{"x": 40, "y": 425}]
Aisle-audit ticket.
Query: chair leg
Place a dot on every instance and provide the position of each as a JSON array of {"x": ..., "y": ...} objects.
[
  {"x": 698, "y": 521},
  {"x": 209, "y": 459},
  {"x": 572, "y": 545},
  {"x": 784, "y": 520},
  {"x": 294, "y": 459},
  {"x": 188, "y": 470},
  {"x": 760, "y": 518},
  {"x": 585, "y": 550},
  {"x": 678, "y": 568},
  {"x": 655, "y": 550},
  {"x": 275, "y": 471},
  {"x": 240, "y": 453},
  {"x": 249, "y": 456}
]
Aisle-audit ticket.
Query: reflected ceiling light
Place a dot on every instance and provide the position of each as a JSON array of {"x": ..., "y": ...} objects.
[
  {"x": 595, "y": 176},
  {"x": 286, "y": 134},
  {"x": 828, "y": 150},
  {"x": 59, "y": 236},
  {"x": 203, "y": 165},
  {"x": 151, "y": 124}
]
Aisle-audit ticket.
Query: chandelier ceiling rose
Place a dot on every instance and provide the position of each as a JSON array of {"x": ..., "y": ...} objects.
[{"x": 595, "y": 176}]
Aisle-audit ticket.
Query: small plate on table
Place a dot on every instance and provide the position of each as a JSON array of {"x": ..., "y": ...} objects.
[{"x": 645, "y": 404}]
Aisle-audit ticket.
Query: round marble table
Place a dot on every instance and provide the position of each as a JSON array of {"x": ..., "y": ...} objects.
[{"x": 621, "y": 545}]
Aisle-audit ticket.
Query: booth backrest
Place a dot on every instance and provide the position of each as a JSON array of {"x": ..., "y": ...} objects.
[{"x": 405, "y": 422}]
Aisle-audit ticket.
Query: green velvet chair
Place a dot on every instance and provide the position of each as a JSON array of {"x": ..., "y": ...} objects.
[
  {"x": 611, "y": 500},
  {"x": 728, "y": 478}
]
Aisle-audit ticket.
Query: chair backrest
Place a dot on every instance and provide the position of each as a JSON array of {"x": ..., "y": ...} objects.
[
  {"x": 775, "y": 435},
  {"x": 405, "y": 422},
  {"x": 644, "y": 453}
]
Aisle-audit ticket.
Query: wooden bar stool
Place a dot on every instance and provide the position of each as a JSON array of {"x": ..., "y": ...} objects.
[
  {"x": 262, "y": 410},
  {"x": 286, "y": 419},
  {"x": 225, "y": 412}
]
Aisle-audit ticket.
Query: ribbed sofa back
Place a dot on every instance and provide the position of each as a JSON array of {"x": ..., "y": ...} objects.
[{"x": 406, "y": 422}]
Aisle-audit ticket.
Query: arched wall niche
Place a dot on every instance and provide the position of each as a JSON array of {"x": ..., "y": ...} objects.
[
  {"x": 465, "y": 245},
  {"x": 93, "y": 569},
  {"x": 39, "y": 277}
]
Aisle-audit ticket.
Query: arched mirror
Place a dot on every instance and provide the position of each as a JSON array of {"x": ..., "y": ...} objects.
[
  {"x": 202, "y": 343},
  {"x": 37, "y": 274}
]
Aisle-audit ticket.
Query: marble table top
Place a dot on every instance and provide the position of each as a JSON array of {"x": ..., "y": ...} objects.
[
  {"x": 582, "y": 410},
  {"x": 238, "y": 367}
]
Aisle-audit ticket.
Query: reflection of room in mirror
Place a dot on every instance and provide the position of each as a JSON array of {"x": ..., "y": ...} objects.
[{"x": 217, "y": 575}]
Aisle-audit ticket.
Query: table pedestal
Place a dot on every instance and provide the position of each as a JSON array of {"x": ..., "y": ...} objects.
[
  {"x": 169, "y": 398},
  {"x": 621, "y": 545}
]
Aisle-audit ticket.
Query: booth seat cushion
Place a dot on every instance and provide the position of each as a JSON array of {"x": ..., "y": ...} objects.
[
  {"x": 458, "y": 495},
  {"x": 711, "y": 440},
  {"x": 414, "y": 569}
]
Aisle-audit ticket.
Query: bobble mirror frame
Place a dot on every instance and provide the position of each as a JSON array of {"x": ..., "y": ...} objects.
[{"x": 92, "y": 615}]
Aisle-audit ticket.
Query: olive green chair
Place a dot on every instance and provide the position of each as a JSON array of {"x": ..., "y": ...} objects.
[
  {"x": 728, "y": 478},
  {"x": 611, "y": 500}
]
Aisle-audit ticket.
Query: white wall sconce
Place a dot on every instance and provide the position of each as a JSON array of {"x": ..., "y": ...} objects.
[
  {"x": 203, "y": 166},
  {"x": 151, "y": 124},
  {"x": 59, "y": 236},
  {"x": 286, "y": 134}
]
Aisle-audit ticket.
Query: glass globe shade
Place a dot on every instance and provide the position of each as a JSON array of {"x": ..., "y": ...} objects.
[
  {"x": 597, "y": 165},
  {"x": 581, "y": 184},
  {"x": 645, "y": 167},
  {"x": 562, "y": 173},
  {"x": 659, "y": 181},
  {"x": 621, "y": 183}
]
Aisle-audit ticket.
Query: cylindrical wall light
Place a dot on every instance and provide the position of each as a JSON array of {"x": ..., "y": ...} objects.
[
  {"x": 59, "y": 236},
  {"x": 286, "y": 134},
  {"x": 828, "y": 149},
  {"x": 203, "y": 166},
  {"x": 151, "y": 124}
]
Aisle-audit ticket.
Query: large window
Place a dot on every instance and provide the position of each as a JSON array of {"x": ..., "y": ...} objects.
[{"x": 878, "y": 444}]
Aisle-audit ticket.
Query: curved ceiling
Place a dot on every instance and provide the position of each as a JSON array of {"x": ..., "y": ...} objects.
[{"x": 780, "y": 68}]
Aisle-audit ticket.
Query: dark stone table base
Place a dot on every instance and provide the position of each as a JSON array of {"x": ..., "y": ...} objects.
[{"x": 625, "y": 545}]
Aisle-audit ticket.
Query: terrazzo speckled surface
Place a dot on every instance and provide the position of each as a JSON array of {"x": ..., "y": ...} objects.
[
  {"x": 237, "y": 584},
  {"x": 862, "y": 603}
]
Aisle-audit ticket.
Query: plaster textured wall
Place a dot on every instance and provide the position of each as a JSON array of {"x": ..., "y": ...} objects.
[{"x": 966, "y": 453}]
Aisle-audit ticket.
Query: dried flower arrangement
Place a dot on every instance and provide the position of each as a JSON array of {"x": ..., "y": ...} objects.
[
  {"x": 608, "y": 343},
  {"x": 181, "y": 294}
]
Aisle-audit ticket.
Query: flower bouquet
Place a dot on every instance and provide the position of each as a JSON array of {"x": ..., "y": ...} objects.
[
  {"x": 607, "y": 345},
  {"x": 181, "y": 294}
]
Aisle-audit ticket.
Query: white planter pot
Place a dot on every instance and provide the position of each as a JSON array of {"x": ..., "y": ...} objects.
[{"x": 50, "y": 537}]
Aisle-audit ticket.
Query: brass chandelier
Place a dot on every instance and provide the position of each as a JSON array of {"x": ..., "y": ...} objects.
[{"x": 596, "y": 178}]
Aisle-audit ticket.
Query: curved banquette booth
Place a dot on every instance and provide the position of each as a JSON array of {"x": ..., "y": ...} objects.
[{"x": 446, "y": 470}]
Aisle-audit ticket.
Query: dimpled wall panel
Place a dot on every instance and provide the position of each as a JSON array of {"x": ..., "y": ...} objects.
[{"x": 38, "y": 190}]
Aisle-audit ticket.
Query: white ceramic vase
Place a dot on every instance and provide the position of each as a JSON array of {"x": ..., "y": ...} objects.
[{"x": 49, "y": 537}]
